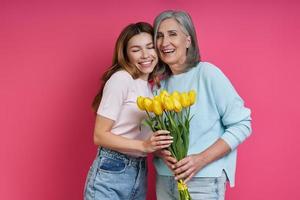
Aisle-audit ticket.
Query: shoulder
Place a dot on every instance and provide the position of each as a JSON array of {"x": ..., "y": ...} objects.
[
  {"x": 208, "y": 68},
  {"x": 209, "y": 71},
  {"x": 120, "y": 80},
  {"x": 121, "y": 76}
]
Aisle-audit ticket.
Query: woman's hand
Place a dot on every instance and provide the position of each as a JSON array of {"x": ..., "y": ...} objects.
[
  {"x": 187, "y": 167},
  {"x": 158, "y": 140},
  {"x": 167, "y": 157}
]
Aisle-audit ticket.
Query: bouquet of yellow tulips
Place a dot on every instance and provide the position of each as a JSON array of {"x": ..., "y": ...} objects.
[{"x": 171, "y": 112}]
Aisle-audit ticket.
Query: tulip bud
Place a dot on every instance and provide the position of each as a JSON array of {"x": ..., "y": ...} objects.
[
  {"x": 192, "y": 95},
  {"x": 148, "y": 104},
  {"x": 177, "y": 105},
  {"x": 162, "y": 96},
  {"x": 176, "y": 95},
  {"x": 140, "y": 104},
  {"x": 157, "y": 109},
  {"x": 184, "y": 100},
  {"x": 164, "y": 93},
  {"x": 168, "y": 103},
  {"x": 158, "y": 98}
]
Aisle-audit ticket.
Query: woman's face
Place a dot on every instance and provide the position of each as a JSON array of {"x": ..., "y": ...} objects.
[
  {"x": 141, "y": 53},
  {"x": 172, "y": 44}
]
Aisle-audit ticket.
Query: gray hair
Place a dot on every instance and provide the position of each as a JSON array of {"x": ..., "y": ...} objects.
[{"x": 184, "y": 19}]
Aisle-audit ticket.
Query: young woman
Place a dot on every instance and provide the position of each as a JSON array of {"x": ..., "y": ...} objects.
[
  {"x": 220, "y": 121},
  {"x": 119, "y": 170}
]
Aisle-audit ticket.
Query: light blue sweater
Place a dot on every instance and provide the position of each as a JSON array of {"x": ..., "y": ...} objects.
[{"x": 219, "y": 112}]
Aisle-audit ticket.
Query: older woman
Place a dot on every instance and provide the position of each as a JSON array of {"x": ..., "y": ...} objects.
[{"x": 220, "y": 122}]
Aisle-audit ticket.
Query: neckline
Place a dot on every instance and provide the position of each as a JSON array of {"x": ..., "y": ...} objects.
[
  {"x": 181, "y": 74},
  {"x": 175, "y": 76},
  {"x": 142, "y": 80}
]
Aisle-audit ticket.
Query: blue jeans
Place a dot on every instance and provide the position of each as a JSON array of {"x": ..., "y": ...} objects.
[
  {"x": 200, "y": 188},
  {"x": 116, "y": 176}
]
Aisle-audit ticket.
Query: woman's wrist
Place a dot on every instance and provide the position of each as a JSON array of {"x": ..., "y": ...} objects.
[
  {"x": 142, "y": 146},
  {"x": 216, "y": 151},
  {"x": 202, "y": 160}
]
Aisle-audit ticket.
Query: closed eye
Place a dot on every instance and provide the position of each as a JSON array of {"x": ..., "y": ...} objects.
[
  {"x": 135, "y": 50},
  {"x": 159, "y": 35},
  {"x": 172, "y": 34}
]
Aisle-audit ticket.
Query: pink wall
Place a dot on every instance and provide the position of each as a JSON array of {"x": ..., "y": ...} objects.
[{"x": 53, "y": 53}]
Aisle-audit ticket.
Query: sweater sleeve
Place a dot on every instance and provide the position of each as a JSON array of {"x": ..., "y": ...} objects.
[{"x": 234, "y": 115}]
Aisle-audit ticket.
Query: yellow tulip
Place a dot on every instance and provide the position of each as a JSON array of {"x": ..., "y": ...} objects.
[
  {"x": 162, "y": 96},
  {"x": 157, "y": 108},
  {"x": 185, "y": 100},
  {"x": 140, "y": 104},
  {"x": 177, "y": 105},
  {"x": 148, "y": 104},
  {"x": 164, "y": 93},
  {"x": 157, "y": 98},
  {"x": 168, "y": 103},
  {"x": 176, "y": 95},
  {"x": 192, "y": 95}
]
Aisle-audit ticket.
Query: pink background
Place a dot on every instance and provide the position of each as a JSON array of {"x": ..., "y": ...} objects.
[{"x": 53, "y": 53}]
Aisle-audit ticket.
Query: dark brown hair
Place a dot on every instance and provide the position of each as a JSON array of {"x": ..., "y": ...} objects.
[{"x": 120, "y": 57}]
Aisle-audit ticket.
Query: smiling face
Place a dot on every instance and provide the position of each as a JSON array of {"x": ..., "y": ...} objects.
[
  {"x": 172, "y": 44},
  {"x": 141, "y": 53}
]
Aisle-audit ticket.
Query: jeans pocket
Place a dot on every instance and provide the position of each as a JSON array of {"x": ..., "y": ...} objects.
[{"x": 111, "y": 165}]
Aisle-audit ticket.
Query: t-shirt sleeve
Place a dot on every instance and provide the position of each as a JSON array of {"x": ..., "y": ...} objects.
[{"x": 114, "y": 94}]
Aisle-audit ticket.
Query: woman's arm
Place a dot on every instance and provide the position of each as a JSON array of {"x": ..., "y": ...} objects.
[
  {"x": 234, "y": 117},
  {"x": 103, "y": 137}
]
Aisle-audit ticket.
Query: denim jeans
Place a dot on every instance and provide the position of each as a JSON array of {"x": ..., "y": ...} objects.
[
  {"x": 200, "y": 188},
  {"x": 116, "y": 176}
]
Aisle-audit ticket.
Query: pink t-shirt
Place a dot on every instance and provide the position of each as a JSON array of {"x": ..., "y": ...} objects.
[{"x": 118, "y": 103}]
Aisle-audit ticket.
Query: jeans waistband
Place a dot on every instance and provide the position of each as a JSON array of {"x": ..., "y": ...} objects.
[{"x": 129, "y": 160}]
